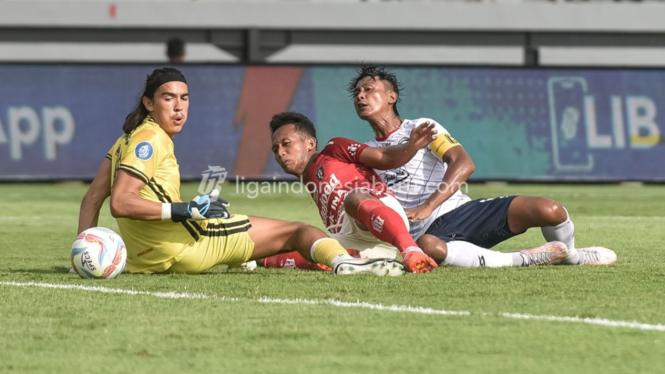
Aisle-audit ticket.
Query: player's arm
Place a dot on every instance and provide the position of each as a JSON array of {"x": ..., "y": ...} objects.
[
  {"x": 126, "y": 202},
  {"x": 460, "y": 167},
  {"x": 385, "y": 158},
  {"x": 94, "y": 198}
]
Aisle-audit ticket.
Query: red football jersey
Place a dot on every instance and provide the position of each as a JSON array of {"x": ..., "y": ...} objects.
[{"x": 335, "y": 172}]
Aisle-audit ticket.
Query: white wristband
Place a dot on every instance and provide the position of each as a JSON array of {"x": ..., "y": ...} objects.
[
  {"x": 412, "y": 249},
  {"x": 166, "y": 211}
]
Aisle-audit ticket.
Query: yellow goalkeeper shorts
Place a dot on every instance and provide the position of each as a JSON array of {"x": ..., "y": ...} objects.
[{"x": 221, "y": 241}]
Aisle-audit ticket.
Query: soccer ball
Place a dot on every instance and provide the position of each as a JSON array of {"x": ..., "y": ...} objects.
[{"x": 98, "y": 253}]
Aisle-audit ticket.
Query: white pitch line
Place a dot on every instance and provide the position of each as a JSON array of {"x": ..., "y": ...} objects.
[
  {"x": 166, "y": 295},
  {"x": 590, "y": 321},
  {"x": 359, "y": 304},
  {"x": 365, "y": 305}
]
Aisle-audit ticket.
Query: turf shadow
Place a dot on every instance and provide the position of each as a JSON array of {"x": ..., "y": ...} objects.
[{"x": 53, "y": 270}]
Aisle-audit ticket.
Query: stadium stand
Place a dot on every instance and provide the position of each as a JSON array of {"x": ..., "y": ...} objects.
[{"x": 343, "y": 31}]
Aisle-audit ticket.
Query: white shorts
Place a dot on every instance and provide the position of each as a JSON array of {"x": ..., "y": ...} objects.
[{"x": 352, "y": 237}]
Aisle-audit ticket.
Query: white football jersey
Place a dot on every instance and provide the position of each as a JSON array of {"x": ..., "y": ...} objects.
[{"x": 414, "y": 182}]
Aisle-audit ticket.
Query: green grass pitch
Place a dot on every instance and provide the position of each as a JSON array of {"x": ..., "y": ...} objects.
[{"x": 45, "y": 330}]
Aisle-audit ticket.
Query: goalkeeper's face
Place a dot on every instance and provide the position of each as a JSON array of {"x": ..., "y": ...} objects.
[
  {"x": 292, "y": 149},
  {"x": 169, "y": 106}
]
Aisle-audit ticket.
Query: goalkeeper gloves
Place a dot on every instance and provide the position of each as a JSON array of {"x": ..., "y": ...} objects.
[
  {"x": 418, "y": 262},
  {"x": 199, "y": 209}
]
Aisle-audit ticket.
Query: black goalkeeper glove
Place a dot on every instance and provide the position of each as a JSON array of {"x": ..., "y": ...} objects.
[{"x": 200, "y": 208}]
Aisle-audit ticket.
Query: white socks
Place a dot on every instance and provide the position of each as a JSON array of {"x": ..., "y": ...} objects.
[
  {"x": 467, "y": 255},
  {"x": 563, "y": 232},
  {"x": 412, "y": 249}
]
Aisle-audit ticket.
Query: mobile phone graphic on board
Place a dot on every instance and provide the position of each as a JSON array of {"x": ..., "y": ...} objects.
[{"x": 570, "y": 150}]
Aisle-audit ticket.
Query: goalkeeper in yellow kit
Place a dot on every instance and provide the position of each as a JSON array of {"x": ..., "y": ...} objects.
[{"x": 164, "y": 234}]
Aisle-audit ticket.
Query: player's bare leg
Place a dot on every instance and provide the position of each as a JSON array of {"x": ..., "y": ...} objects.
[
  {"x": 464, "y": 254},
  {"x": 526, "y": 212},
  {"x": 434, "y": 247},
  {"x": 272, "y": 236},
  {"x": 372, "y": 215}
]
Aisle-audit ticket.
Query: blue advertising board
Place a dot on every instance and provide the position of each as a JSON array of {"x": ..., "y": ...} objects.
[{"x": 58, "y": 121}]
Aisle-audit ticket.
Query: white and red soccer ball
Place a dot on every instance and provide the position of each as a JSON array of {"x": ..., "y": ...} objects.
[{"x": 98, "y": 253}]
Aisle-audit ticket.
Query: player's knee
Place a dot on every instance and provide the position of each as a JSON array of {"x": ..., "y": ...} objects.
[
  {"x": 290, "y": 230},
  {"x": 299, "y": 233},
  {"x": 301, "y": 226},
  {"x": 433, "y": 247},
  {"x": 352, "y": 201},
  {"x": 552, "y": 212},
  {"x": 352, "y": 197}
]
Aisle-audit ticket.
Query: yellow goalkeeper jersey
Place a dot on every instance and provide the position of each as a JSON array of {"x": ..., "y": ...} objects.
[{"x": 148, "y": 153}]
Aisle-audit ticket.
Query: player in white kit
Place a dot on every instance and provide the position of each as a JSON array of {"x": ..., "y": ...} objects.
[{"x": 447, "y": 224}]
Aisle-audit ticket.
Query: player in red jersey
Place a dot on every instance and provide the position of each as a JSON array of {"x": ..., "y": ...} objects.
[{"x": 355, "y": 204}]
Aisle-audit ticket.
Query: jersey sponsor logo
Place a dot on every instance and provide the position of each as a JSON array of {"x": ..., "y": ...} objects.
[
  {"x": 395, "y": 176},
  {"x": 377, "y": 223},
  {"x": 353, "y": 149},
  {"x": 320, "y": 173},
  {"x": 144, "y": 151},
  {"x": 324, "y": 196},
  {"x": 335, "y": 202},
  {"x": 403, "y": 140},
  {"x": 340, "y": 214}
]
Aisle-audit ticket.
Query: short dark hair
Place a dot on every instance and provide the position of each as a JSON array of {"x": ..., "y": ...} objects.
[
  {"x": 175, "y": 47},
  {"x": 376, "y": 71},
  {"x": 302, "y": 123}
]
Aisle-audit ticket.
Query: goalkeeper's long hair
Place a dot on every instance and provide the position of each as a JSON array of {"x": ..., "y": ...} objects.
[{"x": 136, "y": 117}]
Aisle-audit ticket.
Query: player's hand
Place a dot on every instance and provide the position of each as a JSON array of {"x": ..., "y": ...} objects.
[
  {"x": 422, "y": 135},
  {"x": 201, "y": 208},
  {"x": 418, "y": 213},
  {"x": 418, "y": 262}
]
